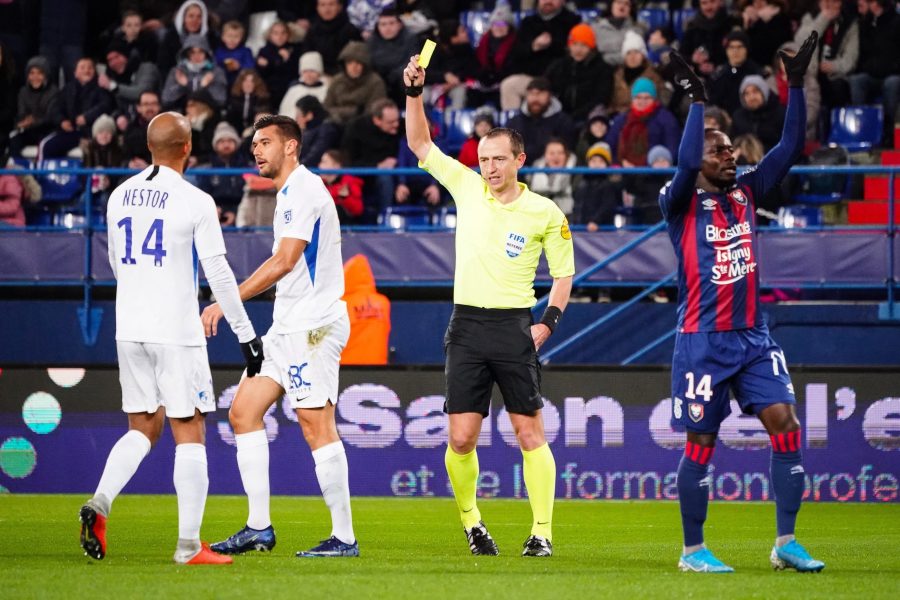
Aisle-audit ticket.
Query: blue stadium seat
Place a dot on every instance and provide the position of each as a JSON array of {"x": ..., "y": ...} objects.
[
  {"x": 680, "y": 20},
  {"x": 856, "y": 128},
  {"x": 477, "y": 22},
  {"x": 21, "y": 161},
  {"x": 825, "y": 188},
  {"x": 504, "y": 116},
  {"x": 654, "y": 17},
  {"x": 589, "y": 15},
  {"x": 447, "y": 217},
  {"x": 402, "y": 217},
  {"x": 60, "y": 188},
  {"x": 798, "y": 216},
  {"x": 458, "y": 126}
]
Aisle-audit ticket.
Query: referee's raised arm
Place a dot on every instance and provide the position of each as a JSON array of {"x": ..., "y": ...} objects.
[{"x": 417, "y": 134}]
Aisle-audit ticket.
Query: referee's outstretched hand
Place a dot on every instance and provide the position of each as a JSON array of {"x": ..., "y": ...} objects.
[
  {"x": 685, "y": 78},
  {"x": 795, "y": 66}
]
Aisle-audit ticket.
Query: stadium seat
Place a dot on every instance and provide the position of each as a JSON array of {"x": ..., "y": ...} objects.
[
  {"x": 798, "y": 216},
  {"x": 447, "y": 217},
  {"x": 402, "y": 217},
  {"x": 825, "y": 188},
  {"x": 680, "y": 19},
  {"x": 589, "y": 15},
  {"x": 856, "y": 128},
  {"x": 60, "y": 188},
  {"x": 458, "y": 126},
  {"x": 654, "y": 17},
  {"x": 259, "y": 27},
  {"x": 504, "y": 116},
  {"x": 21, "y": 161},
  {"x": 476, "y": 22}
]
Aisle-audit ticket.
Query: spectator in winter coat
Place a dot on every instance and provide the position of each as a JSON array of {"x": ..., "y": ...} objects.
[
  {"x": 541, "y": 118},
  {"x": 134, "y": 138},
  {"x": 102, "y": 151},
  {"x": 556, "y": 186},
  {"x": 329, "y": 31},
  {"x": 277, "y": 61},
  {"x": 453, "y": 66},
  {"x": 36, "y": 107},
  {"x": 878, "y": 70},
  {"x": 724, "y": 83},
  {"x": 320, "y": 133},
  {"x": 346, "y": 190},
  {"x": 311, "y": 83},
  {"x": 583, "y": 79},
  {"x": 356, "y": 87},
  {"x": 249, "y": 97},
  {"x": 195, "y": 71},
  {"x": 126, "y": 76},
  {"x": 192, "y": 19},
  {"x": 494, "y": 55},
  {"x": 594, "y": 131},
  {"x": 233, "y": 55},
  {"x": 81, "y": 101},
  {"x": 373, "y": 140},
  {"x": 596, "y": 196},
  {"x": 389, "y": 45},
  {"x": 838, "y": 50},
  {"x": 646, "y": 124},
  {"x": 760, "y": 112},
  {"x": 226, "y": 190},
  {"x": 634, "y": 66},
  {"x": 541, "y": 39},
  {"x": 768, "y": 26},
  {"x": 610, "y": 31},
  {"x": 704, "y": 36}
]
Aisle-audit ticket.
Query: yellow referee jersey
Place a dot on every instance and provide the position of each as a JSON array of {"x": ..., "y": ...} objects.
[{"x": 498, "y": 245}]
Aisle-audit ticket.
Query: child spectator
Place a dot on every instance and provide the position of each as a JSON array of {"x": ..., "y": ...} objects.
[
  {"x": 582, "y": 79},
  {"x": 103, "y": 151},
  {"x": 596, "y": 196},
  {"x": 345, "y": 189},
  {"x": 233, "y": 55},
  {"x": 468, "y": 154},
  {"x": 556, "y": 186},
  {"x": 277, "y": 61},
  {"x": 191, "y": 19},
  {"x": 249, "y": 97},
  {"x": 595, "y": 131},
  {"x": 310, "y": 83},
  {"x": 659, "y": 45},
  {"x": 36, "y": 107},
  {"x": 195, "y": 71},
  {"x": 139, "y": 43},
  {"x": 226, "y": 190}
]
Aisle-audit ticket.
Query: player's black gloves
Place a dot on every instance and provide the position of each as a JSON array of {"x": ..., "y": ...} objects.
[
  {"x": 685, "y": 78},
  {"x": 253, "y": 355},
  {"x": 795, "y": 66}
]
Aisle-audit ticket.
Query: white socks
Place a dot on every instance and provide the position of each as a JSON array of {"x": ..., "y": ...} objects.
[
  {"x": 253, "y": 463},
  {"x": 191, "y": 485},
  {"x": 333, "y": 475},
  {"x": 121, "y": 465}
]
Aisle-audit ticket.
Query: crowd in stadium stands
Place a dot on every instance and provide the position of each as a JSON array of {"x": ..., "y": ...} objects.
[{"x": 587, "y": 83}]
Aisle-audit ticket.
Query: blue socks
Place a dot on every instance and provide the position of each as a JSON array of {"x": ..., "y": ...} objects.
[
  {"x": 693, "y": 491},
  {"x": 787, "y": 480}
]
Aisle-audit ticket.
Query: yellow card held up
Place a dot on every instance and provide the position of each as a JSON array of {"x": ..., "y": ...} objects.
[{"x": 425, "y": 54}]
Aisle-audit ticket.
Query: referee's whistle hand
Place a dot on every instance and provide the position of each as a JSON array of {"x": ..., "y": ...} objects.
[
  {"x": 539, "y": 333},
  {"x": 210, "y": 319}
]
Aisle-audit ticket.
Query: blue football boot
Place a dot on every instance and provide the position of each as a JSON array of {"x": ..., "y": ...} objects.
[
  {"x": 247, "y": 540},
  {"x": 703, "y": 561},
  {"x": 794, "y": 556},
  {"x": 330, "y": 548}
]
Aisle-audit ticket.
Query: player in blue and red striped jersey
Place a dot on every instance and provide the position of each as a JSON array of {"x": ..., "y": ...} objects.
[{"x": 722, "y": 343}]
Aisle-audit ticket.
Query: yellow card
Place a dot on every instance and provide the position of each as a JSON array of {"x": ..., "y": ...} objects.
[{"x": 425, "y": 54}]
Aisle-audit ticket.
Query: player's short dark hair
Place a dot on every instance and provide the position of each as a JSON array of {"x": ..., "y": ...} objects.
[
  {"x": 516, "y": 143},
  {"x": 287, "y": 127}
]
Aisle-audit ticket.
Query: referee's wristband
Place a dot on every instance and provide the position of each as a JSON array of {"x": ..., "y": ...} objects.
[{"x": 551, "y": 318}]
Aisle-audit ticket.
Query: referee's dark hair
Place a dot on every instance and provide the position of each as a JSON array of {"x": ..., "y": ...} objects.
[
  {"x": 516, "y": 143},
  {"x": 287, "y": 127}
]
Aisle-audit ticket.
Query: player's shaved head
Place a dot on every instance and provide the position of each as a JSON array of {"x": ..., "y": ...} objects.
[{"x": 167, "y": 136}]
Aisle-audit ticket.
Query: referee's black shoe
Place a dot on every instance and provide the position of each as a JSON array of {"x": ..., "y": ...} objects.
[
  {"x": 536, "y": 545},
  {"x": 480, "y": 541}
]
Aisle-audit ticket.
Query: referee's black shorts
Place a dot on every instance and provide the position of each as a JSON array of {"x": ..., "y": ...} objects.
[{"x": 484, "y": 345}]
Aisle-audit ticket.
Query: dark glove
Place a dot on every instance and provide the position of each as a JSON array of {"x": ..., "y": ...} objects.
[
  {"x": 253, "y": 355},
  {"x": 795, "y": 66},
  {"x": 685, "y": 78}
]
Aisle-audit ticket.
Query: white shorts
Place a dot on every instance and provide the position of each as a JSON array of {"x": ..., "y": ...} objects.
[
  {"x": 176, "y": 377},
  {"x": 306, "y": 363}
]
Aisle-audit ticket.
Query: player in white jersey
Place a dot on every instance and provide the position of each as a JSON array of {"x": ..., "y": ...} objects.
[
  {"x": 303, "y": 348},
  {"x": 159, "y": 226}
]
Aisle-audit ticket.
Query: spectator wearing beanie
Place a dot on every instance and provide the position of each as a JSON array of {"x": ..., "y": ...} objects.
[
  {"x": 760, "y": 113},
  {"x": 644, "y": 125},
  {"x": 494, "y": 55},
  {"x": 597, "y": 196},
  {"x": 226, "y": 190},
  {"x": 635, "y": 65},
  {"x": 581, "y": 80},
  {"x": 610, "y": 31},
  {"x": 725, "y": 82},
  {"x": 36, "y": 106},
  {"x": 594, "y": 131},
  {"x": 311, "y": 83},
  {"x": 103, "y": 151},
  {"x": 644, "y": 190}
]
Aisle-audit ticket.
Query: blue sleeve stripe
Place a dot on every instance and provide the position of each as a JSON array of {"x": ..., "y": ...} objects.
[{"x": 311, "y": 253}]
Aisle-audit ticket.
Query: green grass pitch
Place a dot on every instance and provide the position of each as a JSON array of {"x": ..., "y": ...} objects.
[{"x": 415, "y": 548}]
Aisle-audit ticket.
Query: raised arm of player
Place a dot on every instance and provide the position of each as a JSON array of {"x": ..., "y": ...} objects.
[
  {"x": 417, "y": 135},
  {"x": 675, "y": 196},
  {"x": 778, "y": 161},
  {"x": 268, "y": 274}
]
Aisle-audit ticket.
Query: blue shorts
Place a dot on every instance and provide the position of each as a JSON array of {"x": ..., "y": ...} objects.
[{"x": 707, "y": 367}]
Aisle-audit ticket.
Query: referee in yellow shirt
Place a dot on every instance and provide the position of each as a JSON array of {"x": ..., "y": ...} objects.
[{"x": 501, "y": 229}]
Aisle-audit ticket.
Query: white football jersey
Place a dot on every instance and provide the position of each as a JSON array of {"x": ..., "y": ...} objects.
[
  {"x": 159, "y": 227},
  {"x": 310, "y": 295}
]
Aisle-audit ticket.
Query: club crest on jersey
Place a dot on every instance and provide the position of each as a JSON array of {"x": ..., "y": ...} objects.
[
  {"x": 695, "y": 412},
  {"x": 515, "y": 244},
  {"x": 739, "y": 197},
  {"x": 287, "y": 216},
  {"x": 709, "y": 204}
]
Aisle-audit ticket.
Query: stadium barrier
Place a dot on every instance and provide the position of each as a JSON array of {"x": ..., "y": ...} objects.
[{"x": 608, "y": 428}]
